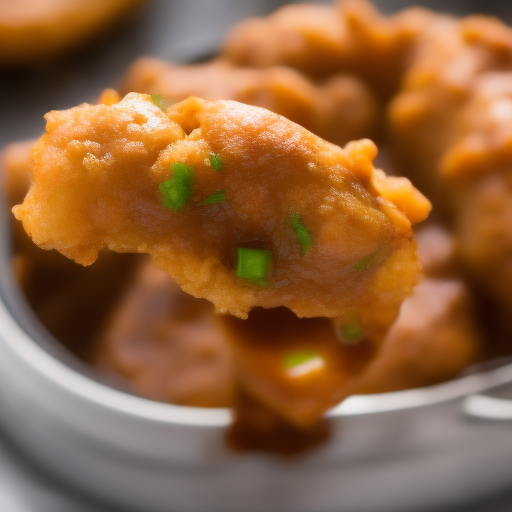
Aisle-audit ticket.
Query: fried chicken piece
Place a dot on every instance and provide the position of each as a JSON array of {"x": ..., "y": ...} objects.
[
  {"x": 322, "y": 40},
  {"x": 31, "y": 30},
  {"x": 339, "y": 109},
  {"x": 305, "y": 219},
  {"x": 298, "y": 368},
  {"x": 433, "y": 339}
]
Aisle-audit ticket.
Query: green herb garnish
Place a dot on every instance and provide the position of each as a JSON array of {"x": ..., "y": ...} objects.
[
  {"x": 218, "y": 197},
  {"x": 216, "y": 162},
  {"x": 252, "y": 265},
  {"x": 301, "y": 231},
  {"x": 302, "y": 363},
  {"x": 159, "y": 102},
  {"x": 177, "y": 191},
  {"x": 350, "y": 334},
  {"x": 365, "y": 262}
]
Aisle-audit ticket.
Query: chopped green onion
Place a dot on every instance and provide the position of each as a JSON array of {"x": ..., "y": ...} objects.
[
  {"x": 302, "y": 363},
  {"x": 252, "y": 265},
  {"x": 365, "y": 262},
  {"x": 350, "y": 334},
  {"x": 159, "y": 102},
  {"x": 301, "y": 231},
  {"x": 216, "y": 162},
  {"x": 218, "y": 197},
  {"x": 177, "y": 191}
]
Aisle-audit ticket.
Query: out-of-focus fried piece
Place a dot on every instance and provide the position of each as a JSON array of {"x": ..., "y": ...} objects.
[
  {"x": 318, "y": 215},
  {"x": 436, "y": 335},
  {"x": 167, "y": 345},
  {"x": 258, "y": 428},
  {"x": 433, "y": 339},
  {"x": 31, "y": 30},
  {"x": 322, "y": 40},
  {"x": 296, "y": 367},
  {"x": 451, "y": 125},
  {"x": 339, "y": 109},
  {"x": 14, "y": 161},
  {"x": 447, "y": 117}
]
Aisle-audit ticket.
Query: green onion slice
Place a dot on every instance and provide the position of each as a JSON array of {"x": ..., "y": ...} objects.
[
  {"x": 218, "y": 197},
  {"x": 159, "y": 102},
  {"x": 365, "y": 262},
  {"x": 216, "y": 162},
  {"x": 301, "y": 231},
  {"x": 252, "y": 265},
  {"x": 350, "y": 334},
  {"x": 177, "y": 191},
  {"x": 298, "y": 364}
]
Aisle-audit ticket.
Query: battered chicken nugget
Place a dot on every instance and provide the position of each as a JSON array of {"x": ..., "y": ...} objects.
[
  {"x": 433, "y": 339},
  {"x": 339, "y": 109},
  {"x": 239, "y": 205},
  {"x": 36, "y": 29},
  {"x": 321, "y": 40}
]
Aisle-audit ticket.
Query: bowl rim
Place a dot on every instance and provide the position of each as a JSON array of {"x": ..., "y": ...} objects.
[{"x": 101, "y": 395}]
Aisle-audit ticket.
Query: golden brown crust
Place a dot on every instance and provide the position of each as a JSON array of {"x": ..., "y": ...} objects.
[{"x": 96, "y": 188}]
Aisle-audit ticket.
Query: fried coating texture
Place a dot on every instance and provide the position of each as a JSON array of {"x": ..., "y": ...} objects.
[
  {"x": 321, "y": 40},
  {"x": 339, "y": 109},
  {"x": 95, "y": 184},
  {"x": 39, "y": 29}
]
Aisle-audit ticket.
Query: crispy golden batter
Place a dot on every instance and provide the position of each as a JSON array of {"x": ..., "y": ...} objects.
[
  {"x": 95, "y": 184},
  {"x": 339, "y": 109},
  {"x": 30, "y": 30},
  {"x": 321, "y": 40}
]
